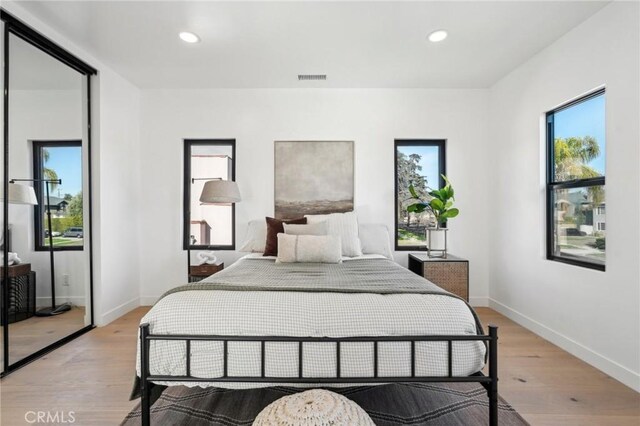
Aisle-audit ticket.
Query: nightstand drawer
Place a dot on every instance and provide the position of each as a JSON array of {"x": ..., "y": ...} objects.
[
  {"x": 451, "y": 274},
  {"x": 17, "y": 270},
  {"x": 198, "y": 272}
]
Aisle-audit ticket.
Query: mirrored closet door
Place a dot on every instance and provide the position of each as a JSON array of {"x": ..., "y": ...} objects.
[{"x": 46, "y": 219}]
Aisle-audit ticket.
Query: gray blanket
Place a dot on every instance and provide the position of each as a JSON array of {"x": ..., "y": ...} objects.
[{"x": 354, "y": 276}]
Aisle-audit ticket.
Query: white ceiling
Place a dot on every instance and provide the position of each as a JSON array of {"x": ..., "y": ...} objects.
[{"x": 357, "y": 44}]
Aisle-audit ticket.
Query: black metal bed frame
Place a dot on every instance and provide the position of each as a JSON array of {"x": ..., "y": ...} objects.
[{"x": 489, "y": 382}]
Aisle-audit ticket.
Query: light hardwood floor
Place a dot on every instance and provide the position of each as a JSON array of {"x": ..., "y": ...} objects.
[
  {"x": 92, "y": 376},
  {"x": 31, "y": 335}
]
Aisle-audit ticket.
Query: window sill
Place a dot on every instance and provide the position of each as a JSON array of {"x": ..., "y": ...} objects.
[
  {"x": 575, "y": 262},
  {"x": 72, "y": 248}
]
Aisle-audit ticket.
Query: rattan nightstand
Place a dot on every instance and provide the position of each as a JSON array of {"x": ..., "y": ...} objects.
[
  {"x": 199, "y": 272},
  {"x": 452, "y": 273},
  {"x": 22, "y": 292}
]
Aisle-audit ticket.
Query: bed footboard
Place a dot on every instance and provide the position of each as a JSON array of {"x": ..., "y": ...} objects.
[{"x": 490, "y": 381}]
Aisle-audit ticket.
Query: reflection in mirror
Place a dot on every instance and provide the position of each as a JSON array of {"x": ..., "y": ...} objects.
[
  {"x": 48, "y": 289},
  {"x": 210, "y": 225}
]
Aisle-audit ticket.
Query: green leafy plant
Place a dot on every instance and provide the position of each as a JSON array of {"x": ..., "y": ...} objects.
[{"x": 440, "y": 204}]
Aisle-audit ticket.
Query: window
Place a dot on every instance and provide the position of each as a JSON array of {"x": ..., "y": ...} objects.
[
  {"x": 576, "y": 182},
  {"x": 421, "y": 163},
  {"x": 207, "y": 226},
  {"x": 55, "y": 160}
]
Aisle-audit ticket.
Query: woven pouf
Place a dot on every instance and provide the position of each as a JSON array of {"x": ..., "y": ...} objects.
[{"x": 316, "y": 407}]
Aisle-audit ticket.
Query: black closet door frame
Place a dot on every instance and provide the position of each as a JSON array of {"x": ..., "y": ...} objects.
[{"x": 14, "y": 26}]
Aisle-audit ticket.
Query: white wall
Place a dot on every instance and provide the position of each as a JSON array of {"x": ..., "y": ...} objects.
[
  {"x": 116, "y": 180},
  {"x": 255, "y": 118},
  {"x": 593, "y": 314},
  {"x": 116, "y": 210}
]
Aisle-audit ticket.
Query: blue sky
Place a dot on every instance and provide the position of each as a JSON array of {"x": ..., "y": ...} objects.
[
  {"x": 429, "y": 161},
  {"x": 67, "y": 162},
  {"x": 584, "y": 119}
]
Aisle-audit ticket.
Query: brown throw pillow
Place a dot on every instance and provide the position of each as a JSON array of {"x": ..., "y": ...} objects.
[{"x": 275, "y": 227}]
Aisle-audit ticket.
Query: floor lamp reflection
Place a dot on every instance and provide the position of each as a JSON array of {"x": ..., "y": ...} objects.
[{"x": 53, "y": 309}]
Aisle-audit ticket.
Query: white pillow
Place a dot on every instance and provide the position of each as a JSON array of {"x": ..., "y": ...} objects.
[
  {"x": 343, "y": 225},
  {"x": 256, "y": 238},
  {"x": 308, "y": 248},
  {"x": 319, "y": 228},
  {"x": 374, "y": 238}
]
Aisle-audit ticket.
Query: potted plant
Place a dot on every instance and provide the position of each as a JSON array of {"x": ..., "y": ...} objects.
[{"x": 441, "y": 206}]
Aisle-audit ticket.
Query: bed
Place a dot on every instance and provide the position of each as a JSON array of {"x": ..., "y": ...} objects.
[{"x": 260, "y": 323}]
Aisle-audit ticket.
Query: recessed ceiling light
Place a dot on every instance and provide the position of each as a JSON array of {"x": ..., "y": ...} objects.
[
  {"x": 189, "y": 37},
  {"x": 437, "y": 36}
]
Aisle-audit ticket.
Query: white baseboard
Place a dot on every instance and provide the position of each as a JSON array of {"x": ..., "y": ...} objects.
[
  {"x": 606, "y": 365},
  {"x": 482, "y": 302},
  {"x": 148, "y": 300},
  {"x": 118, "y": 311},
  {"x": 74, "y": 300}
]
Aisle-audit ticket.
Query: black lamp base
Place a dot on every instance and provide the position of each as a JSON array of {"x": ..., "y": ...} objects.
[{"x": 49, "y": 312}]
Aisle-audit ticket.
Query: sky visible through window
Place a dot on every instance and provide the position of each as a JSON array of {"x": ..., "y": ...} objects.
[
  {"x": 584, "y": 119},
  {"x": 429, "y": 161},
  {"x": 67, "y": 163}
]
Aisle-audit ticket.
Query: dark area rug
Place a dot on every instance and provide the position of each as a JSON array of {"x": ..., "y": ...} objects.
[{"x": 394, "y": 404}]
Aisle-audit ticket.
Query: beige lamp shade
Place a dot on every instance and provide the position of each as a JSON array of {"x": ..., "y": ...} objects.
[
  {"x": 21, "y": 194},
  {"x": 220, "y": 192}
]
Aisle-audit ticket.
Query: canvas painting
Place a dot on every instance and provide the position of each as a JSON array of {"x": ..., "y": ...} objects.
[{"x": 313, "y": 177}]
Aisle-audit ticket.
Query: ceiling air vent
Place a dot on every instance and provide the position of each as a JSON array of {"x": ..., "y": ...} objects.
[{"x": 311, "y": 77}]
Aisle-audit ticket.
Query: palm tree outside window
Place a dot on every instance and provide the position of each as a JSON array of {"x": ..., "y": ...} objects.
[{"x": 576, "y": 182}]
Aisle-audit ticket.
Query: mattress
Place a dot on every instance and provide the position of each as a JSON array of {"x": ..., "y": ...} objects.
[{"x": 363, "y": 297}]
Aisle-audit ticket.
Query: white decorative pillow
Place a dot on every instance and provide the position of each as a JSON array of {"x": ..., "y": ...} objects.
[
  {"x": 256, "y": 238},
  {"x": 319, "y": 228},
  {"x": 343, "y": 225},
  {"x": 374, "y": 238},
  {"x": 308, "y": 248}
]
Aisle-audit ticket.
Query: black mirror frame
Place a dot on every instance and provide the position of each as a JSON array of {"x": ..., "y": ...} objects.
[{"x": 14, "y": 26}]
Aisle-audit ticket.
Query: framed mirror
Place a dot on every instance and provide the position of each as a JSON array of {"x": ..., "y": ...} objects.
[{"x": 46, "y": 277}]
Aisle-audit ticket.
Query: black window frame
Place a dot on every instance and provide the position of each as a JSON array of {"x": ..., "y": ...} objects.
[
  {"x": 38, "y": 225},
  {"x": 553, "y": 185},
  {"x": 188, "y": 143},
  {"x": 442, "y": 166}
]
